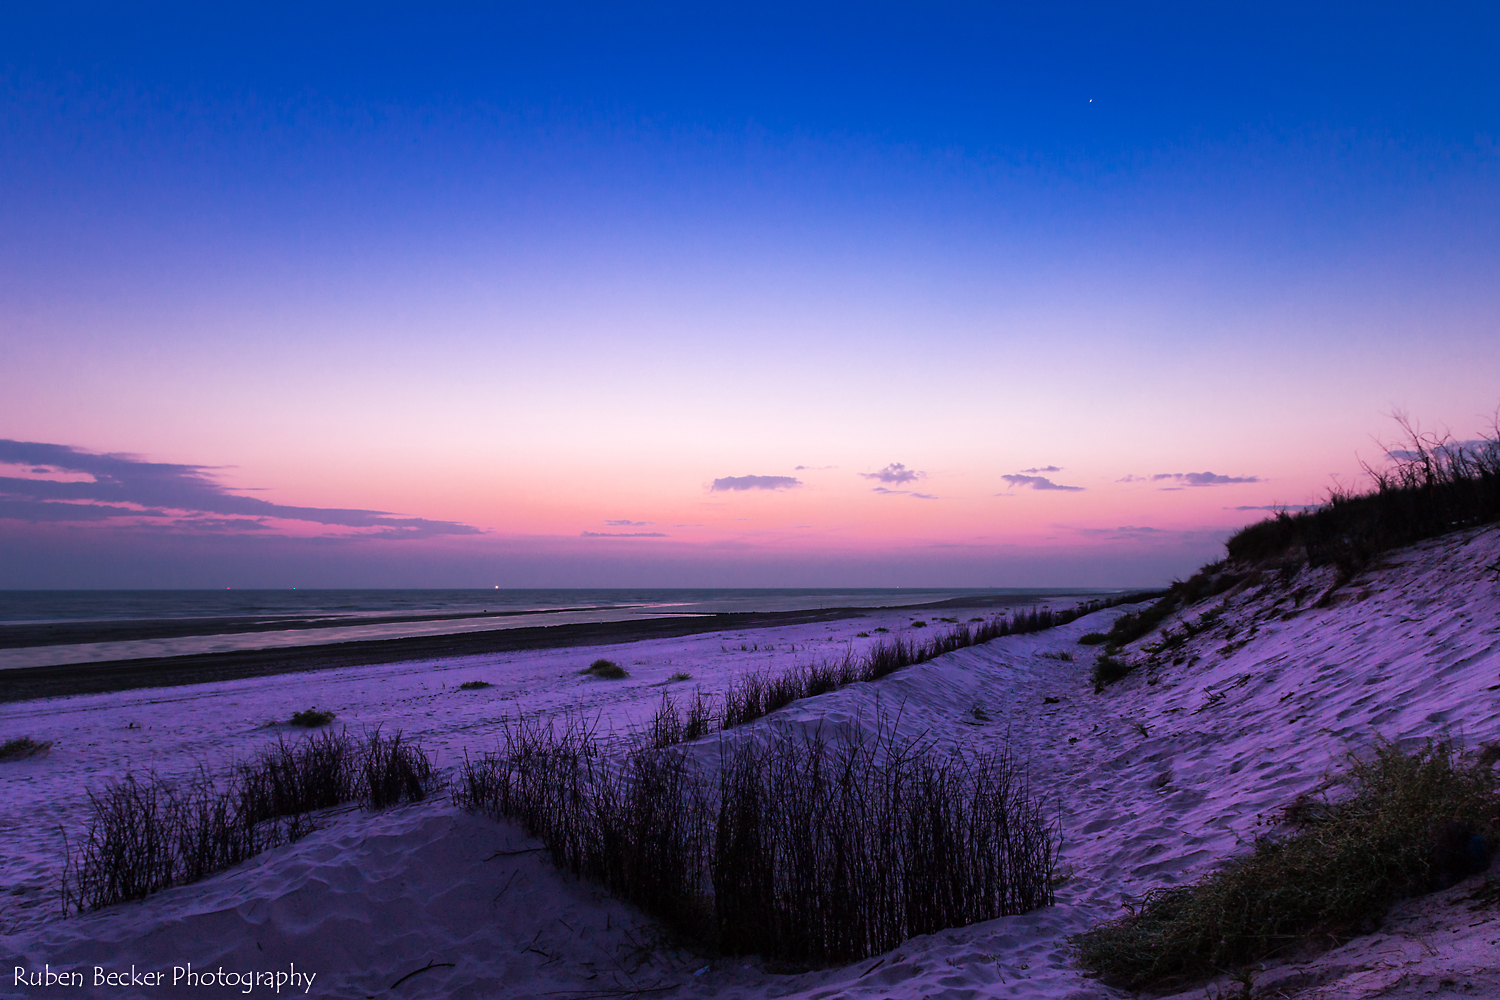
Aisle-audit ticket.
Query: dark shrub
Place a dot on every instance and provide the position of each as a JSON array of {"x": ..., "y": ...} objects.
[
  {"x": 312, "y": 718},
  {"x": 606, "y": 669},
  {"x": 1432, "y": 486},
  {"x": 1410, "y": 823},
  {"x": 23, "y": 746},
  {"x": 1107, "y": 670}
]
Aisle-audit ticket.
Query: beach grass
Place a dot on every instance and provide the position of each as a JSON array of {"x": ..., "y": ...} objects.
[
  {"x": 1409, "y": 822},
  {"x": 146, "y": 834},
  {"x": 806, "y": 850},
  {"x": 756, "y": 694},
  {"x": 312, "y": 718},
  {"x": 22, "y": 747}
]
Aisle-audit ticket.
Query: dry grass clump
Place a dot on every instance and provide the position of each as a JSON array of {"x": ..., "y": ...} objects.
[
  {"x": 806, "y": 850},
  {"x": 1107, "y": 670},
  {"x": 312, "y": 718},
  {"x": 148, "y": 834},
  {"x": 607, "y": 670},
  {"x": 22, "y": 747},
  {"x": 474, "y": 685},
  {"x": 1409, "y": 823}
]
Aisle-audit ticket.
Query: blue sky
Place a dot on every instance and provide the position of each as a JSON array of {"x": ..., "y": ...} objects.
[{"x": 530, "y": 270}]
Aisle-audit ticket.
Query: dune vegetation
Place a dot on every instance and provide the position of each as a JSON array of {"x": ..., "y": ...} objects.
[
  {"x": 801, "y": 848},
  {"x": 146, "y": 834},
  {"x": 1409, "y": 822}
]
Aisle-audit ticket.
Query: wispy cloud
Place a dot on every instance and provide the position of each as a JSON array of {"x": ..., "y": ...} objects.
[
  {"x": 814, "y": 468},
  {"x": 1446, "y": 450},
  {"x": 1190, "y": 479},
  {"x": 894, "y": 474},
  {"x": 1038, "y": 483},
  {"x": 76, "y": 485},
  {"x": 627, "y": 524},
  {"x": 904, "y": 493},
  {"x": 1124, "y": 531},
  {"x": 623, "y": 534},
  {"x": 755, "y": 483},
  {"x": 1153, "y": 537},
  {"x": 1278, "y": 506},
  {"x": 1044, "y": 468}
]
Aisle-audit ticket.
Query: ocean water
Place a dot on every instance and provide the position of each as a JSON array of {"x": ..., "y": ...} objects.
[{"x": 49, "y": 627}]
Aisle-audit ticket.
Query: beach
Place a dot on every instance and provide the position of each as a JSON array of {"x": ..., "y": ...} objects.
[{"x": 1153, "y": 781}]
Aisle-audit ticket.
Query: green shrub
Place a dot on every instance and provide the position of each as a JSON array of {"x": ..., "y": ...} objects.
[
  {"x": 1092, "y": 638},
  {"x": 312, "y": 718},
  {"x": 474, "y": 685},
  {"x": 23, "y": 746},
  {"x": 606, "y": 669},
  {"x": 1107, "y": 670},
  {"x": 1410, "y": 823}
]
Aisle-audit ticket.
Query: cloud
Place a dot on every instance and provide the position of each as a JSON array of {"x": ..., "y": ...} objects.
[
  {"x": 904, "y": 493},
  {"x": 1039, "y": 483},
  {"x": 1125, "y": 531},
  {"x": 623, "y": 534},
  {"x": 196, "y": 523},
  {"x": 1203, "y": 478},
  {"x": 814, "y": 468},
  {"x": 1446, "y": 451},
  {"x": 122, "y": 486},
  {"x": 37, "y": 511},
  {"x": 1045, "y": 468},
  {"x": 895, "y": 473},
  {"x": 1278, "y": 506},
  {"x": 627, "y": 524},
  {"x": 1190, "y": 479},
  {"x": 754, "y": 483}
]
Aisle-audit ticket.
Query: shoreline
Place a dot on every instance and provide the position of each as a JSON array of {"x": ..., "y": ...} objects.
[
  {"x": 99, "y": 677},
  {"x": 26, "y": 636},
  {"x": 103, "y": 676}
]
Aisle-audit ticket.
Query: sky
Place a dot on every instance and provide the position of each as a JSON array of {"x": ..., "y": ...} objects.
[{"x": 608, "y": 295}]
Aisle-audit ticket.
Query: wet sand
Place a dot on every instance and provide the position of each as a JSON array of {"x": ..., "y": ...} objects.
[
  {"x": 27, "y": 683},
  {"x": 29, "y": 635}
]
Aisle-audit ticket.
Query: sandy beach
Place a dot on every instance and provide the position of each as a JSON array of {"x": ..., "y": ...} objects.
[{"x": 1154, "y": 782}]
